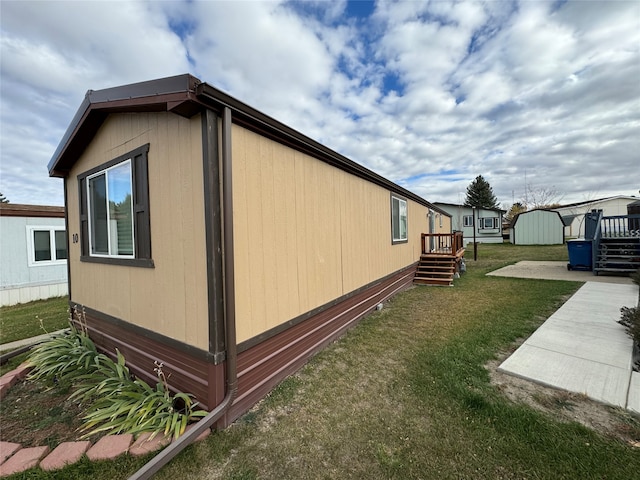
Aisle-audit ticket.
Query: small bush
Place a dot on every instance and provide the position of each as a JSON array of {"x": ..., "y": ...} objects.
[
  {"x": 116, "y": 401},
  {"x": 630, "y": 318}
]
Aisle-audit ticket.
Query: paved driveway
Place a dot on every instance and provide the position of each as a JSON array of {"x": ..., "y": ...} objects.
[{"x": 556, "y": 271}]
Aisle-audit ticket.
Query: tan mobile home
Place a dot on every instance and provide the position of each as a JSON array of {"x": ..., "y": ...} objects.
[{"x": 194, "y": 218}]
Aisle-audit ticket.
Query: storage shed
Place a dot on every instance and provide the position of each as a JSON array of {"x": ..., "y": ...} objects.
[
  {"x": 208, "y": 236},
  {"x": 537, "y": 227},
  {"x": 33, "y": 252}
]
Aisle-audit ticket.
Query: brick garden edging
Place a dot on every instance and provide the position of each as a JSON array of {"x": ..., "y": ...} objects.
[{"x": 14, "y": 458}]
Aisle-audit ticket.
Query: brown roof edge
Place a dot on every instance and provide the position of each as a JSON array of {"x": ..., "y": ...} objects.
[
  {"x": 22, "y": 210},
  {"x": 170, "y": 93},
  {"x": 186, "y": 95},
  {"x": 245, "y": 114}
]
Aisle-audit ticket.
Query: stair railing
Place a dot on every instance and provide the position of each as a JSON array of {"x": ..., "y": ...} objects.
[{"x": 595, "y": 243}]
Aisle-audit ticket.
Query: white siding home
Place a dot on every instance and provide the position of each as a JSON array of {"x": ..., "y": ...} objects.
[
  {"x": 488, "y": 222},
  {"x": 573, "y": 213},
  {"x": 33, "y": 253}
]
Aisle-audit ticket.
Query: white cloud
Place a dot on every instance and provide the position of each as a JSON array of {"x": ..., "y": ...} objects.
[{"x": 429, "y": 94}]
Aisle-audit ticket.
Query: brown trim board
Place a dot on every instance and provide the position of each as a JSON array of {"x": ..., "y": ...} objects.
[
  {"x": 187, "y": 369},
  {"x": 135, "y": 330},
  {"x": 213, "y": 233}
]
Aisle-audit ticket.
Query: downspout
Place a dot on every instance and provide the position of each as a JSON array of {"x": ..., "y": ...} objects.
[{"x": 165, "y": 456}]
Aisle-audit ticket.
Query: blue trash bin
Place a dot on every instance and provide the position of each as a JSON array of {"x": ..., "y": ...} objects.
[{"x": 579, "y": 255}]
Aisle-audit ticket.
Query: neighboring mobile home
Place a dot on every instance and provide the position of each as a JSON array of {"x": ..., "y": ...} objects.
[
  {"x": 573, "y": 213},
  {"x": 537, "y": 227},
  {"x": 192, "y": 215},
  {"x": 488, "y": 222},
  {"x": 33, "y": 252}
]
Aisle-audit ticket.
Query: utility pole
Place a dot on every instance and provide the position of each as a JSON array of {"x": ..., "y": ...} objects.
[{"x": 475, "y": 245}]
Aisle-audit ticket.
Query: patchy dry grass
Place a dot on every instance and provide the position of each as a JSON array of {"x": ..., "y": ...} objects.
[{"x": 406, "y": 395}]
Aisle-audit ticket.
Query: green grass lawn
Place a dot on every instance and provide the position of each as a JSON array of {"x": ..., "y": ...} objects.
[
  {"x": 28, "y": 319},
  {"x": 405, "y": 395}
]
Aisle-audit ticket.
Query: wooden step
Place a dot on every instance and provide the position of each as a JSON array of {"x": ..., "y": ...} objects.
[
  {"x": 435, "y": 270},
  {"x": 434, "y": 275},
  {"x": 433, "y": 281},
  {"x": 436, "y": 267}
]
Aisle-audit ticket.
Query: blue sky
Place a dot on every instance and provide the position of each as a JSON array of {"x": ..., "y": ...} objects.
[{"x": 537, "y": 95}]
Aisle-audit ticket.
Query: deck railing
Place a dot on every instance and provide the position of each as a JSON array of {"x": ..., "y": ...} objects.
[
  {"x": 443, "y": 243},
  {"x": 618, "y": 226}
]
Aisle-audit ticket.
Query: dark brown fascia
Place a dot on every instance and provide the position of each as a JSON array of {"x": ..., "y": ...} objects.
[
  {"x": 172, "y": 94},
  {"x": 257, "y": 121},
  {"x": 186, "y": 95},
  {"x": 22, "y": 210}
]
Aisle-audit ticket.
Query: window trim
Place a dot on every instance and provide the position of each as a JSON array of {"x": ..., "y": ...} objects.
[
  {"x": 395, "y": 241},
  {"x": 464, "y": 221},
  {"x": 105, "y": 172},
  {"x": 31, "y": 253},
  {"x": 140, "y": 206},
  {"x": 495, "y": 223}
]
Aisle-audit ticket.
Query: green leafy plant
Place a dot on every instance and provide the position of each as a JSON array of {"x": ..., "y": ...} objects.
[
  {"x": 630, "y": 319},
  {"x": 116, "y": 401},
  {"x": 65, "y": 357}
]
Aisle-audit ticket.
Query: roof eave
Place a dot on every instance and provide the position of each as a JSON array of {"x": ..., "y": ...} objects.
[
  {"x": 174, "y": 94},
  {"x": 256, "y": 120},
  {"x": 186, "y": 95}
]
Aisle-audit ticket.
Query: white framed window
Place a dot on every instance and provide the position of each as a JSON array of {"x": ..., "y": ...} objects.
[
  {"x": 467, "y": 221},
  {"x": 47, "y": 245},
  {"x": 114, "y": 211},
  {"x": 110, "y": 206},
  {"x": 399, "y": 226},
  {"x": 489, "y": 223}
]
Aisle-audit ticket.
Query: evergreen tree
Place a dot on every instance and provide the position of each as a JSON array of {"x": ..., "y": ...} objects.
[
  {"x": 480, "y": 194},
  {"x": 3, "y": 199}
]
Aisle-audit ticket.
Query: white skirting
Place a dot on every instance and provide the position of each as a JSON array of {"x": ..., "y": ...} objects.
[{"x": 12, "y": 296}]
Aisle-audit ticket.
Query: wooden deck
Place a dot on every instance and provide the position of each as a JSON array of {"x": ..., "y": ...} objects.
[{"x": 440, "y": 258}]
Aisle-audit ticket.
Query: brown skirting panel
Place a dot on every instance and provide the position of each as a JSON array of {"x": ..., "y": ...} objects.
[
  {"x": 260, "y": 367},
  {"x": 186, "y": 372},
  {"x": 263, "y": 366}
]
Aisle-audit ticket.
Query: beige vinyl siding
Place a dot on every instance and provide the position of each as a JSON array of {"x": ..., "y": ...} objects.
[
  {"x": 171, "y": 298},
  {"x": 306, "y": 233}
]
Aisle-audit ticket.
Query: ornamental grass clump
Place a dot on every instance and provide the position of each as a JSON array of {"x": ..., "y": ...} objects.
[
  {"x": 116, "y": 401},
  {"x": 67, "y": 356}
]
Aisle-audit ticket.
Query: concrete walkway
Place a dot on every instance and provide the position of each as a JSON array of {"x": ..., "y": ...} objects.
[
  {"x": 555, "y": 271},
  {"x": 581, "y": 347},
  {"x": 5, "y": 347}
]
